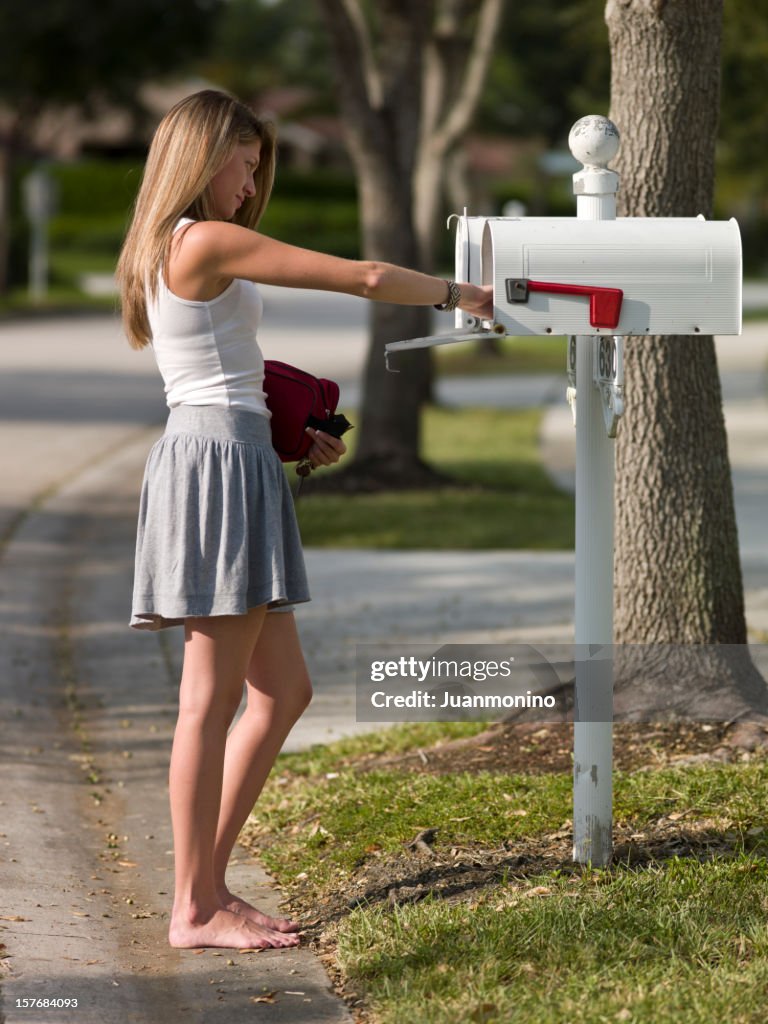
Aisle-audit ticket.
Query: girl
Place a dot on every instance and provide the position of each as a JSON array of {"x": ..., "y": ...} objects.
[{"x": 218, "y": 548}]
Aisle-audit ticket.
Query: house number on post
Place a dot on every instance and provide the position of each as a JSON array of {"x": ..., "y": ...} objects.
[
  {"x": 570, "y": 392},
  {"x": 608, "y": 362},
  {"x": 607, "y": 377}
]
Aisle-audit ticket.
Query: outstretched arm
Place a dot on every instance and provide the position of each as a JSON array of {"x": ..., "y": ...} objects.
[{"x": 214, "y": 252}]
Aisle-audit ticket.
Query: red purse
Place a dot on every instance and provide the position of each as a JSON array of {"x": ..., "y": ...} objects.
[{"x": 298, "y": 400}]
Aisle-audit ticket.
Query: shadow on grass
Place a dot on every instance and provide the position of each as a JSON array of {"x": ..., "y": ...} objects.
[{"x": 463, "y": 873}]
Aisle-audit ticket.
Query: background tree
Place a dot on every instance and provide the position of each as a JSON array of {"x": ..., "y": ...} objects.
[
  {"x": 550, "y": 66},
  {"x": 409, "y": 77},
  {"x": 678, "y": 575},
  {"x": 63, "y": 51},
  {"x": 256, "y": 46}
]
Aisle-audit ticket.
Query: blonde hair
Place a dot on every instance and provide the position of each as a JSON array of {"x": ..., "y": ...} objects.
[{"x": 192, "y": 143}]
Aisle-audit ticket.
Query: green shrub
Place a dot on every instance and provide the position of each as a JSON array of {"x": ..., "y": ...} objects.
[{"x": 94, "y": 188}]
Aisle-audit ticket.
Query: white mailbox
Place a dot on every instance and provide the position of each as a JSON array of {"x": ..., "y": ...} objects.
[{"x": 632, "y": 275}]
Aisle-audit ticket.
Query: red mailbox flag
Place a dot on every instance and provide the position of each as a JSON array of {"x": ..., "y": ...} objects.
[{"x": 604, "y": 303}]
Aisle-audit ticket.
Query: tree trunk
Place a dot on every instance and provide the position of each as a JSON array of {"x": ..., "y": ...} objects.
[
  {"x": 678, "y": 575},
  {"x": 388, "y": 444},
  {"x": 455, "y": 62},
  {"x": 409, "y": 80}
]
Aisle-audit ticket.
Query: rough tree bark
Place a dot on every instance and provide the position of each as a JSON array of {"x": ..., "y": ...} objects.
[
  {"x": 678, "y": 576},
  {"x": 409, "y": 79}
]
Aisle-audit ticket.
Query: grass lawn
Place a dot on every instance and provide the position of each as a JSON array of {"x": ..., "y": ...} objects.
[
  {"x": 498, "y": 925},
  {"x": 502, "y": 497}
]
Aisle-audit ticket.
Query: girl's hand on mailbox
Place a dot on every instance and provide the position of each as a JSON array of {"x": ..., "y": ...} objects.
[
  {"x": 477, "y": 300},
  {"x": 326, "y": 449}
]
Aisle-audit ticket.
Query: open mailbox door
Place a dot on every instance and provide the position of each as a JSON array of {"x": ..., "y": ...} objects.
[
  {"x": 629, "y": 276},
  {"x": 468, "y": 250}
]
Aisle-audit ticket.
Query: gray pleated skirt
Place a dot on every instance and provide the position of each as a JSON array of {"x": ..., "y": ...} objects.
[{"x": 217, "y": 530}]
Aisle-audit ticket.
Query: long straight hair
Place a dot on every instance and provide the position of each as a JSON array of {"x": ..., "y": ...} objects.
[{"x": 192, "y": 143}]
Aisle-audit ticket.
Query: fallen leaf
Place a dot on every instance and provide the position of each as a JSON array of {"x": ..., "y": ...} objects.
[
  {"x": 317, "y": 828},
  {"x": 268, "y": 997},
  {"x": 127, "y": 863},
  {"x": 484, "y": 1012},
  {"x": 12, "y": 917}
]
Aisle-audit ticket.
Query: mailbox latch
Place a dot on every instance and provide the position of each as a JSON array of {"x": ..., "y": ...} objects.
[{"x": 604, "y": 303}]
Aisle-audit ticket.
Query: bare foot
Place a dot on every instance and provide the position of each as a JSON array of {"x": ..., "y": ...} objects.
[
  {"x": 223, "y": 928},
  {"x": 248, "y": 911}
]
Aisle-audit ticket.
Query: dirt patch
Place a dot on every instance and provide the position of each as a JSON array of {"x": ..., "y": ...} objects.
[{"x": 539, "y": 748}]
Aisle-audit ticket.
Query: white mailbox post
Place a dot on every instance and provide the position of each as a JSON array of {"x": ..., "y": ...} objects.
[
  {"x": 596, "y": 279},
  {"x": 594, "y": 144}
]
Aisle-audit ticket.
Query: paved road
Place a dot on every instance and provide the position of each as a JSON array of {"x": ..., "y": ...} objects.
[{"x": 87, "y": 706}]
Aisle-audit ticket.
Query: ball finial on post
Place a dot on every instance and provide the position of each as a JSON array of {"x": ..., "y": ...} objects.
[{"x": 594, "y": 141}]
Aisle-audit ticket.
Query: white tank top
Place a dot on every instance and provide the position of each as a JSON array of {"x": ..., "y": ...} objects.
[{"x": 207, "y": 352}]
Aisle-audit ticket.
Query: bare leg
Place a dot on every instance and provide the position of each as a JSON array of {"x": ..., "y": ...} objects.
[
  {"x": 216, "y": 656},
  {"x": 278, "y": 692}
]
